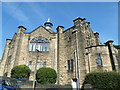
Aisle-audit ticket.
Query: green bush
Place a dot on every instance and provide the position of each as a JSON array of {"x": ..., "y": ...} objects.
[
  {"x": 103, "y": 80},
  {"x": 46, "y": 76},
  {"x": 20, "y": 71}
]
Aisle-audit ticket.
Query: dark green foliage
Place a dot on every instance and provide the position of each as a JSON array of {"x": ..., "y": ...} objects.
[
  {"x": 103, "y": 80},
  {"x": 20, "y": 71},
  {"x": 117, "y": 46},
  {"x": 46, "y": 76}
]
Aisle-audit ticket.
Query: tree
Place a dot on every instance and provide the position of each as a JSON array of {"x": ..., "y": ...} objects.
[
  {"x": 20, "y": 71},
  {"x": 46, "y": 76},
  {"x": 117, "y": 46}
]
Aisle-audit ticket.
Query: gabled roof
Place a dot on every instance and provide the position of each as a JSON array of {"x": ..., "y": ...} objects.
[{"x": 44, "y": 28}]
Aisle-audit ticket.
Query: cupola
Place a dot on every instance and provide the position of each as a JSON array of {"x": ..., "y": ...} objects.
[{"x": 48, "y": 24}]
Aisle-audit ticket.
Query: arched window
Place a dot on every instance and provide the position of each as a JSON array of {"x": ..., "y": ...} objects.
[
  {"x": 99, "y": 59},
  {"x": 39, "y": 43}
]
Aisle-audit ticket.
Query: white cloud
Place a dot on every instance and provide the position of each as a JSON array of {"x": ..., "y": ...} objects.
[
  {"x": 15, "y": 12},
  {"x": 37, "y": 11}
]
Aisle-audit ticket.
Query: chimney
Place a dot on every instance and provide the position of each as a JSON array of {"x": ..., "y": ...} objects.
[
  {"x": 60, "y": 29},
  {"x": 21, "y": 29}
]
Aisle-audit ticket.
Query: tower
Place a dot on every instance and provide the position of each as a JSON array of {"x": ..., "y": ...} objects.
[{"x": 48, "y": 24}]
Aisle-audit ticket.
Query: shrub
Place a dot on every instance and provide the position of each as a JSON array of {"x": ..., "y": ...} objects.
[
  {"x": 46, "y": 76},
  {"x": 20, "y": 71},
  {"x": 103, "y": 80}
]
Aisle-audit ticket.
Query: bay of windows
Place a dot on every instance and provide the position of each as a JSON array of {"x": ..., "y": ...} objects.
[{"x": 39, "y": 43}]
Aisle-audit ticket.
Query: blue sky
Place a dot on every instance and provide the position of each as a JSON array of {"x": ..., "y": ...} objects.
[{"x": 102, "y": 15}]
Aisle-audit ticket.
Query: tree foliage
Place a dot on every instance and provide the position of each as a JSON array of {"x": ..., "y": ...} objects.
[
  {"x": 117, "y": 46},
  {"x": 20, "y": 71},
  {"x": 103, "y": 80},
  {"x": 46, "y": 76}
]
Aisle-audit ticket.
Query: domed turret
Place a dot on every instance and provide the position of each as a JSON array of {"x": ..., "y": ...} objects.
[{"x": 48, "y": 24}]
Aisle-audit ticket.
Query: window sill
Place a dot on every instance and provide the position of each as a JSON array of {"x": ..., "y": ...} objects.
[
  {"x": 39, "y": 51},
  {"x": 70, "y": 71},
  {"x": 100, "y": 65}
]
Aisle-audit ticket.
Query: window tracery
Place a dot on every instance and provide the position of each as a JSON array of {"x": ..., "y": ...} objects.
[{"x": 39, "y": 43}]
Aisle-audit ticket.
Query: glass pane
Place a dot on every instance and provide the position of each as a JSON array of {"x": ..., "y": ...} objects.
[
  {"x": 30, "y": 65},
  {"x": 40, "y": 46},
  {"x": 30, "y": 47},
  {"x": 99, "y": 60},
  {"x": 43, "y": 46},
  {"x": 44, "y": 65},
  {"x": 34, "y": 45},
  {"x": 38, "y": 65},
  {"x": 68, "y": 65},
  {"x": 72, "y": 65}
]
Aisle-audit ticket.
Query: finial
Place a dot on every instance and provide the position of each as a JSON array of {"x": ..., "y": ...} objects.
[{"x": 48, "y": 20}]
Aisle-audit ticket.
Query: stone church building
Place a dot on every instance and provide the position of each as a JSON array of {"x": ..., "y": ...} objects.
[{"x": 72, "y": 53}]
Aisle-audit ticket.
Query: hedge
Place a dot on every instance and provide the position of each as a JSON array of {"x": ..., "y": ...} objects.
[
  {"x": 46, "y": 76},
  {"x": 20, "y": 71},
  {"x": 103, "y": 80}
]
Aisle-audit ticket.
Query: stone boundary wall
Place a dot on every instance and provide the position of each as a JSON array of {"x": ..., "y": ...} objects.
[{"x": 29, "y": 85}]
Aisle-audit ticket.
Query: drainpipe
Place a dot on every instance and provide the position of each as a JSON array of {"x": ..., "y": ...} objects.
[
  {"x": 89, "y": 64},
  {"x": 109, "y": 43},
  {"x": 77, "y": 60}
]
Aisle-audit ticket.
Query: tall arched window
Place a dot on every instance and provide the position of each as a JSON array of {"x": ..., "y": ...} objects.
[
  {"x": 39, "y": 43},
  {"x": 99, "y": 59}
]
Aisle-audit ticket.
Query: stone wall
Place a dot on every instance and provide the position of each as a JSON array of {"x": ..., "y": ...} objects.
[{"x": 91, "y": 59}]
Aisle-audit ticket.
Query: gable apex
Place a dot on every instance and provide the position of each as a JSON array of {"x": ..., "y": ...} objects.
[{"x": 42, "y": 27}]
